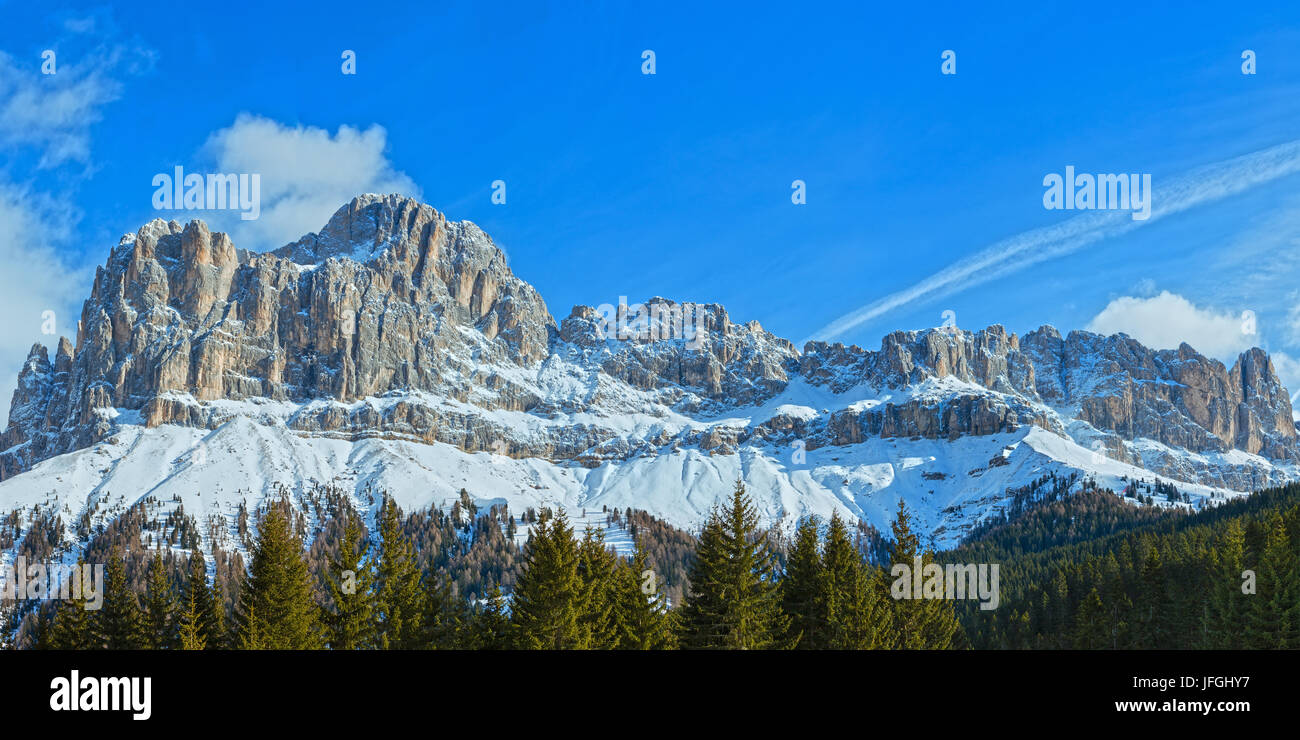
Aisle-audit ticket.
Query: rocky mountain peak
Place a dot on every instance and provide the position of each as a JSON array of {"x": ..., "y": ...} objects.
[
  {"x": 389, "y": 295},
  {"x": 393, "y": 321}
]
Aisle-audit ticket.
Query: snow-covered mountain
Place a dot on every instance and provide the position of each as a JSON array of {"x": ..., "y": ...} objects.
[{"x": 396, "y": 351}]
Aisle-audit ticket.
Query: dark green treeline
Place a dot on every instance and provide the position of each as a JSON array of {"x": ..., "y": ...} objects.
[{"x": 572, "y": 592}]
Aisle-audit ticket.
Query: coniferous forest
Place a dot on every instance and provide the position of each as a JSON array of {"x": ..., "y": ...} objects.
[{"x": 1080, "y": 567}]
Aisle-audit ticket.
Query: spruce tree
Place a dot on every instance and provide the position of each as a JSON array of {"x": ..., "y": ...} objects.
[
  {"x": 250, "y": 632},
  {"x": 734, "y": 601},
  {"x": 221, "y": 630},
  {"x": 159, "y": 607},
  {"x": 941, "y": 630},
  {"x": 1090, "y": 629},
  {"x": 802, "y": 589},
  {"x": 1272, "y": 620},
  {"x": 42, "y": 629},
  {"x": 703, "y": 621},
  {"x": 1226, "y": 620},
  {"x": 71, "y": 629},
  {"x": 445, "y": 616},
  {"x": 596, "y": 568},
  {"x": 208, "y": 600},
  {"x": 1119, "y": 610},
  {"x": 907, "y": 614},
  {"x": 190, "y": 624},
  {"x": 918, "y": 623},
  {"x": 545, "y": 610},
  {"x": 398, "y": 608},
  {"x": 118, "y": 624},
  {"x": 275, "y": 602},
  {"x": 641, "y": 616},
  {"x": 1152, "y": 630},
  {"x": 850, "y": 594},
  {"x": 349, "y": 623},
  {"x": 490, "y": 628},
  {"x": 7, "y": 626}
]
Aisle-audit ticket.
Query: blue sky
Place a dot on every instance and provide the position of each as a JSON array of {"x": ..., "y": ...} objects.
[{"x": 678, "y": 183}]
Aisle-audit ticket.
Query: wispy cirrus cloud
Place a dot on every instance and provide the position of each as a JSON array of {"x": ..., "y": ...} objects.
[
  {"x": 1202, "y": 185},
  {"x": 52, "y": 115}
]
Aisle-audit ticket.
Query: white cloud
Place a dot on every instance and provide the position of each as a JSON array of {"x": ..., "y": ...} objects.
[
  {"x": 306, "y": 175},
  {"x": 1166, "y": 320},
  {"x": 34, "y": 280}
]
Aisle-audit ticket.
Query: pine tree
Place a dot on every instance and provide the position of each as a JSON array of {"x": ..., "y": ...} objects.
[
  {"x": 118, "y": 624},
  {"x": 545, "y": 610},
  {"x": 275, "y": 602},
  {"x": 641, "y": 616},
  {"x": 398, "y": 608},
  {"x": 349, "y": 624},
  {"x": 802, "y": 589},
  {"x": 734, "y": 601},
  {"x": 159, "y": 607}
]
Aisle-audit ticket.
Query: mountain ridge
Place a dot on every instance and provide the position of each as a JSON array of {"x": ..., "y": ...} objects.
[{"x": 393, "y": 324}]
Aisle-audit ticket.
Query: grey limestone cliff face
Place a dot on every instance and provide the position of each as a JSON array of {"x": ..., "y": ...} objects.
[
  {"x": 388, "y": 296},
  {"x": 392, "y": 301},
  {"x": 1176, "y": 397}
]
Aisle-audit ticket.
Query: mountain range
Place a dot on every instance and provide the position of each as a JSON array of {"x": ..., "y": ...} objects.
[{"x": 396, "y": 351}]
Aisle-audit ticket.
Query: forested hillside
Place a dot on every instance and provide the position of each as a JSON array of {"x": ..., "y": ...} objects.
[
  {"x": 1092, "y": 571},
  {"x": 1084, "y": 569}
]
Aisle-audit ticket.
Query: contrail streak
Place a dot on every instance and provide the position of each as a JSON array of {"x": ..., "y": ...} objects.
[{"x": 1202, "y": 185}]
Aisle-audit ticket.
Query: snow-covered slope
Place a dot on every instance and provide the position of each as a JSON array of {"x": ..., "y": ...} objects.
[{"x": 950, "y": 485}]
